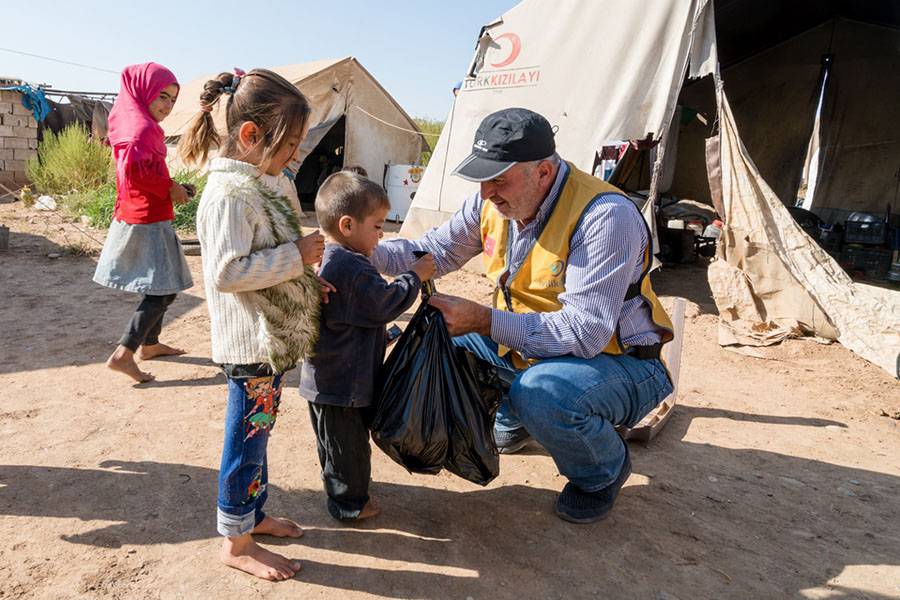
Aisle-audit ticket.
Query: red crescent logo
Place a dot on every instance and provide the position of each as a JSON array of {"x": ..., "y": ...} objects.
[{"x": 514, "y": 51}]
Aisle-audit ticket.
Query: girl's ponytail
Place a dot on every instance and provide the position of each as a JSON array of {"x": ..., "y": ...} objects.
[
  {"x": 263, "y": 97},
  {"x": 201, "y": 135}
]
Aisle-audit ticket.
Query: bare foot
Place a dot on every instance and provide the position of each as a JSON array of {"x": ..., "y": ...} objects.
[
  {"x": 151, "y": 351},
  {"x": 278, "y": 527},
  {"x": 122, "y": 360},
  {"x": 243, "y": 554},
  {"x": 368, "y": 511}
]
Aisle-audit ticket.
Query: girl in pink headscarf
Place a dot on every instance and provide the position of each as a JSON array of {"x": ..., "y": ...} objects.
[{"x": 142, "y": 253}]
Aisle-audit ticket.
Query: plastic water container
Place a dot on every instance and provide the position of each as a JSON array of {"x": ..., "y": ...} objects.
[
  {"x": 401, "y": 183},
  {"x": 713, "y": 230}
]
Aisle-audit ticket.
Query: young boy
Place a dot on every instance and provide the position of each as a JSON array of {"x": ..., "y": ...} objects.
[{"x": 339, "y": 380}]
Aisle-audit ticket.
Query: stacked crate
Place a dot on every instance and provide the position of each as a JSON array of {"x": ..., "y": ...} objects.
[{"x": 18, "y": 139}]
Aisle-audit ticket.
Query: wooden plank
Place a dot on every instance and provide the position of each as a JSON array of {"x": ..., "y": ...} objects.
[{"x": 653, "y": 423}]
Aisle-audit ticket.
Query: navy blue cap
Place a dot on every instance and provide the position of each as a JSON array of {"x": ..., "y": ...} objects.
[{"x": 504, "y": 138}]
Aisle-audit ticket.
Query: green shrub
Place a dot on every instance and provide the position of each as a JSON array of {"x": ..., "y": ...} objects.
[
  {"x": 98, "y": 204},
  {"x": 70, "y": 161},
  {"x": 186, "y": 214},
  {"x": 432, "y": 128}
]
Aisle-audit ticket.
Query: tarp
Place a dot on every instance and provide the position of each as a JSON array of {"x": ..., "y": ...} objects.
[
  {"x": 378, "y": 130},
  {"x": 772, "y": 281},
  {"x": 616, "y": 79}
]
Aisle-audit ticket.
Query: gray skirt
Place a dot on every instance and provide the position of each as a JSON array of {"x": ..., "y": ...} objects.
[{"x": 143, "y": 258}]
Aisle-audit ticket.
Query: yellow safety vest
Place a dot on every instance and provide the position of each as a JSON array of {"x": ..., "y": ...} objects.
[{"x": 541, "y": 278}]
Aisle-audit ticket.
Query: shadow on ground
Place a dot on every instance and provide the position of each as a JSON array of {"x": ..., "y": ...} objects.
[
  {"x": 54, "y": 323},
  {"x": 668, "y": 534}
]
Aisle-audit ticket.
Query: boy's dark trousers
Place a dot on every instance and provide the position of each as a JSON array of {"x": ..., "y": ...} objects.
[{"x": 342, "y": 439}]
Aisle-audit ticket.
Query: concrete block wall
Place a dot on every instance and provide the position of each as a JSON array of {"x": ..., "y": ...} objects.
[{"x": 18, "y": 139}]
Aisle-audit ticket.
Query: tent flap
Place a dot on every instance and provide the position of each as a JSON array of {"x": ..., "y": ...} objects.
[{"x": 771, "y": 280}]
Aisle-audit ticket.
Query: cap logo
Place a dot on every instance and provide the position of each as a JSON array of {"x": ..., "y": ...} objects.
[{"x": 481, "y": 145}]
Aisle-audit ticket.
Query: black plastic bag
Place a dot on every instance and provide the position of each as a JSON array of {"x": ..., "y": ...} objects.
[
  {"x": 473, "y": 454},
  {"x": 437, "y": 403},
  {"x": 410, "y": 422}
]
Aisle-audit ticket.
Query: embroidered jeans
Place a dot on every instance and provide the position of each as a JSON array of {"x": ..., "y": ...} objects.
[
  {"x": 243, "y": 475},
  {"x": 572, "y": 406}
]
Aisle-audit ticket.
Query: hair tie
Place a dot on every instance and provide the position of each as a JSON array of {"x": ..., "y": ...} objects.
[{"x": 235, "y": 80}]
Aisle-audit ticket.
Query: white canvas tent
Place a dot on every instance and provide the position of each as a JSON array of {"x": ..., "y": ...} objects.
[
  {"x": 376, "y": 130},
  {"x": 605, "y": 70}
]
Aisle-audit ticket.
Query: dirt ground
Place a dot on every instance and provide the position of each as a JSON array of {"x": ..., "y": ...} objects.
[{"x": 777, "y": 477}]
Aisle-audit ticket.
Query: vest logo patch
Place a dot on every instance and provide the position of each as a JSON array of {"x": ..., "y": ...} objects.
[
  {"x": 557, "y": 268},
  {"x": 489, "y": 245}
]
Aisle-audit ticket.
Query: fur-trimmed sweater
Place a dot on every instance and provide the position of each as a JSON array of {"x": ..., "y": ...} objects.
[{"x": 263, "y": 303}]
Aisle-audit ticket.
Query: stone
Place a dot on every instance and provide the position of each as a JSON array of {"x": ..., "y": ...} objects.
[
  {"x": 25, "y": 132},
  {"x": 791, "y": 481},
  {"x": 13, "y": 165},
  {"x": 19, "y": 109},
  {"x": 14, "y": 120},
  {"x": 14, "y": 142}
]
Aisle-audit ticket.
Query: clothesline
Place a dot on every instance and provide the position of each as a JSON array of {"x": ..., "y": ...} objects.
[
  {"x": 65, "y": 62},
  {"x": 397, "y": 126}
]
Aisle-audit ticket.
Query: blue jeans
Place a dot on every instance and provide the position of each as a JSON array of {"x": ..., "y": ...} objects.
[
  {"x": 243, "y": 475},
  {"x": 571, "y": 406}
]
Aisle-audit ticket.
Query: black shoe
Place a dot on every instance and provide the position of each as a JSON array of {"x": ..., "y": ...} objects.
[
  {"x": 510, "y": 442},
  {"x": 577, "y": 506}
]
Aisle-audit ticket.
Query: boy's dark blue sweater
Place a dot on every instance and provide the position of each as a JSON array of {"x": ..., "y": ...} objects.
[{"x": 352, "y": 341}]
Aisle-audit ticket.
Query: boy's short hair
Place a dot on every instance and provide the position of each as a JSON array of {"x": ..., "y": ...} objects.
[
  {"x": 347, "y": 194},
  {"x": 356, "y": 169}
]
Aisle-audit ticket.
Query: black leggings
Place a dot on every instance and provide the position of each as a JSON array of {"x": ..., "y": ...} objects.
[{"x": 146, "y": 324}]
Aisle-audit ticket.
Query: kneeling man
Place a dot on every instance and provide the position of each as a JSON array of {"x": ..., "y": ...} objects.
[{"x": 573, "y": 310}]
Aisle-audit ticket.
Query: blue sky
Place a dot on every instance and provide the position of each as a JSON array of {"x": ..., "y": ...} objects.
[{"x": 417, "y": 50}]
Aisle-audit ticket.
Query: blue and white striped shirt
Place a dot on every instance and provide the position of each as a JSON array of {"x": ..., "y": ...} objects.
[{"x": 606, "y": 255}]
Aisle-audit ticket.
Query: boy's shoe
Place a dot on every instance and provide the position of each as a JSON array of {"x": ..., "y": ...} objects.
[
  {"x": 577, "y": 506},
  {"x": 510, "y": 442}
]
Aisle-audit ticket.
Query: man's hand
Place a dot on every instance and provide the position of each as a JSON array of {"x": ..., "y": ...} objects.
[{"x": 463, "y": 316}]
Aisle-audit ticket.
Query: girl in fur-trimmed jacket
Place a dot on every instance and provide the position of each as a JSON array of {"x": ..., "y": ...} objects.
[{"x": 262, "y": 293}]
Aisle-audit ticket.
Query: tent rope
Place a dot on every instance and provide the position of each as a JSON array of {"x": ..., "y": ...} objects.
[{"x": 397, "y": 126}]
